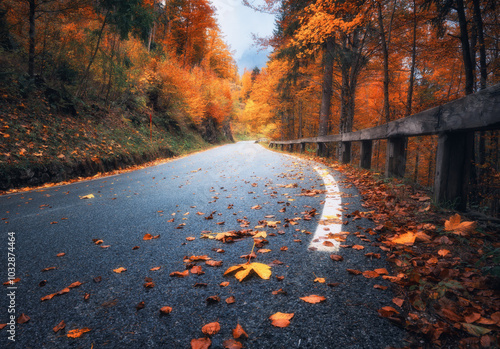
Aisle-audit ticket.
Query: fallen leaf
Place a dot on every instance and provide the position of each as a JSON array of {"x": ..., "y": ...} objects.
[
  {"x": 370, "y": 274},
  {"x": 284, "y": 248},
  {"x": 197, "y": 270},
  {"x": 59, "y": 327},
  {"x": 460, "y": 228},
  {"x": 382, "y": 271},
  {"x": 180, "y": 274},
  {"x": 77, "y": 332},
  {"x": 190, "y": 238},
  {"x": 475, "y": 330},
  {"x": 23, "y": 318},
  {"x": 155, "y": 268},
  {"x": 140, "y": 306},
  {"x": 213, "y": 263},
  {"x": 473, "y": 317},
  {"x": 147, "y": 236},
  {"x": 12, "y": 282},
  {"x": 119, "y": 270},
  {"x": 89, "y": 196},
  {"x": 336, "y": 257},
  {"x": 354, "y": 271},
  {"x": 165, "y": 310},
  {"x": 211, "y": 328},
  {"x": 263, "y": 270},
  {"x": 2, "y": 326},
  {"x": 404, "y": 239},
  {"x": 320, "y": 280},
  {"x": 313, "y": 299},
  {"x": 281, "y": 319},
  {"x": 239, "y": 332},
  {"x": 263, "y": 250},
  {"x": 224, "y": 284},
  {"x": 49, "y": 268},
  {"x": 213, "y": 300},
  {"x": 328, "y": 243},
  {"x": 61, "y": 254},
  {"x": 150, "y": 284},
  {"x": 387, "y": 311},
  {"x": 380, "y": 287},
  {"x": 358, "y": 247},
  {"x": 200, "y": 343},
  {"x": 443, "y": 252},
  {"x": 232, "y": 344},
  {"x": 230, "y": 300},
  {"x": 398, "y": 301}
]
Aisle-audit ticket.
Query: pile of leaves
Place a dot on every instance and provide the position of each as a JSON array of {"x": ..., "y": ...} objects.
[{"x": 448, "y": 280}]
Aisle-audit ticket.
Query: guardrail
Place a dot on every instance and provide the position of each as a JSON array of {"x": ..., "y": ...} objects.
[{"x": 454, "y": 123}]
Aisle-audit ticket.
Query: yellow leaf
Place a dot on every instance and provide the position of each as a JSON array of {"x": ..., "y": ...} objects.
[
  {"x": 263, "y": 270},
  {"x": 260, "y": 234},
  {"x": 320, "y": 280},
  {"x": 89, "y": 196}
]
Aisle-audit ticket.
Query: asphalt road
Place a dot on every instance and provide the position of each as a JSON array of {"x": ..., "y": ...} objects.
[{"x": 226, "y": 182}]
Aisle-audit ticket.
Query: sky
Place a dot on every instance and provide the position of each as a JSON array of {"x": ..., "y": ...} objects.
[{"x": 237, "y": 23}]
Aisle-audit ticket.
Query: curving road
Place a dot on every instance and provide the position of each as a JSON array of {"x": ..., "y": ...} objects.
[{"x": 237, "y": 184}]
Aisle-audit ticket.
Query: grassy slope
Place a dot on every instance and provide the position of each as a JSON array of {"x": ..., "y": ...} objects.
[{"x": 41, "y": 143}]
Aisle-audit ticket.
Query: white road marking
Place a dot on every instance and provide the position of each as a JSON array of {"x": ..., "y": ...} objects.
[{"x": 330, "y": 222}]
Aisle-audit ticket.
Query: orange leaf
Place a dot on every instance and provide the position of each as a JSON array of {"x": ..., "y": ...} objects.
[
  {"x": 147, "y": 236},
  {"x": 61, "y": 254},
  {"x": 48, "y": 297},
  {"x": 336, "y": 257},
  {"x": 472, "y": 317},
  {"x": 239, "y": 332},
  {"x": 328, "y": 243},
  {"x": 77, "y": 332},
  {"x": 75, "y": 284},
  {"x": 370, "y": 274},
  {"x": 358, "y": 247},
  {"x": 398, "y": 301},
  {"x": 382, "y": 271},
  {"x": 354, "y": 271},
  {"x": 404, "y": 239},
  {"x": 119, "y": 270},
  {"x": 60, "y": 326},
  {"x": 197, "y": 270},
  {"x": 232, "y": 344},
  {"x": 281, "y": 319},
  {"x": 179, "y": 274},
  {"x": 190, "y": 238},
  {"x": 12, "y": 282},
  {"x": 387, "y": 311},
  {"x": 230, "y": 300},
  {"x": 313, "y": 299},
  {"x": 380, "y": 287},
  {"x": 166, "y": 310},
  {"x": 155, "y": 268},
  {"x": 211, "y": 328},
  {"x": 443, "y": 252},
  {"x": 214, "y": 263},
  {"x": 224, "y": 284},
  {"x": 200, "y": 343},
  {"x": 454, "y": 225},
  {"x": 23, "y": 318}
]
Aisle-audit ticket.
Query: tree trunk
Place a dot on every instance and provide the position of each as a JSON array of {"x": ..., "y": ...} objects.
[
  {"x": 385, "y": 54},
  {"x": 81, "y": 89},
  {"x": 409, "y": 98},
  {"x": 327, "y": 91},
  {"x": 32, "y": 37},
  {"x": 482, "y": 49},
  {"x": 466, "y": 52}
]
